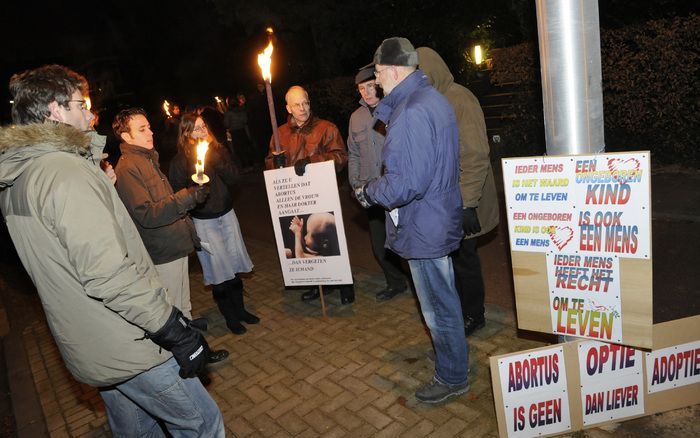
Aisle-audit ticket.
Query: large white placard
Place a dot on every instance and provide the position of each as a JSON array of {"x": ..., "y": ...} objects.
[
  {"x": 308, "y": 225},
  {"x": 535, "y": 399},
  {"x": 595, "y": 204},
  {"x": 612, "y": 382},
  {"x": 672, "y": 367}
]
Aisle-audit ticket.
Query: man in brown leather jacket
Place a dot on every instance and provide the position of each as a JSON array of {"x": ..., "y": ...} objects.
[{"x": 307, "y": 139}]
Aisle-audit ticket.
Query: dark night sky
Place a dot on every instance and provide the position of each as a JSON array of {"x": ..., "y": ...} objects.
[{"x": 189, "y": 51}]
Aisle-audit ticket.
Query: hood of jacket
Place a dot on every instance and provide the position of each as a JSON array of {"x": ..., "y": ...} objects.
[
  {"x": 435, "y": 68},
  {"x": 20, "y": 144}
]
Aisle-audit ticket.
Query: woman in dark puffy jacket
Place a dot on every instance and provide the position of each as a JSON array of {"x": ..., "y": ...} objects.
[{"x": 223, "y": 254}]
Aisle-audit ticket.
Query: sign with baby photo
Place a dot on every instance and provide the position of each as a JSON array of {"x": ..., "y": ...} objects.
[{"x": 308, "y": 225}]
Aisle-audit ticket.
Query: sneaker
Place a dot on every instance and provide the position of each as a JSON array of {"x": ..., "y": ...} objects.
[
  {"x": 473, "y": 324},
  {"x": 436, "y": 391},
  {"x": 217, "y": 356}
]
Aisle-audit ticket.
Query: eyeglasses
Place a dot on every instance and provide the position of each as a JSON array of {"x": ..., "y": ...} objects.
[
  {"x": 83, "y": 105},
  {"x": 378, "y": 72},
  {"x": 200, "y": 128}
]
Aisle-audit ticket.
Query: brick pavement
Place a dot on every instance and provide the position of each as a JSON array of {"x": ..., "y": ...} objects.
[{"x": 299, "y": 374}]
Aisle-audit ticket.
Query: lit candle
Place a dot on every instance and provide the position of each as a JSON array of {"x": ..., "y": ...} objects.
[
  {"x": 199, "y": 177},
  {"x": 265, "y": 62}
]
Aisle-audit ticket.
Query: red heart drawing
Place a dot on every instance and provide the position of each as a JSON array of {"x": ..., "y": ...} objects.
[
  {"x": 561, "y": 236},
  {"x": 617, "y": 165}
]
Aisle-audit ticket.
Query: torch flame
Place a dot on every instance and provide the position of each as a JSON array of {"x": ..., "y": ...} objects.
[
  {"x": 88, "y": 103},
  {"x": 166, "y": 108},
  {"x": 217, "y": 99},
  {"x": 265, "y": 61}
]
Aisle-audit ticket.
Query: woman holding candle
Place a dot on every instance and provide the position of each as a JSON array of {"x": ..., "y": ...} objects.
[{"x": 223, "y": 254}]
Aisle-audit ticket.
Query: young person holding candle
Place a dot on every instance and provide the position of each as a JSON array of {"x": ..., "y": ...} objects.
[
  {"x": 223, "y": 255},
  {"x": 159, "y": 213}
]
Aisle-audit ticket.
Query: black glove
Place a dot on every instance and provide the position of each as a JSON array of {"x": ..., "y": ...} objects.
[
  {"x": 300, "y": 166},
  {"x": 189, "y": 347},
  {"x": 279, "y": 160},
  {"x": 199, "y": 193},
  {"x": 470, "y": 221},
  {"x": 362, "y": 196}
]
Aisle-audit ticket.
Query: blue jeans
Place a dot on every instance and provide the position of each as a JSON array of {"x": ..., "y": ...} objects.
[
  {"x": 182, "y": 405},
  {"x": 435, "y": 286}
]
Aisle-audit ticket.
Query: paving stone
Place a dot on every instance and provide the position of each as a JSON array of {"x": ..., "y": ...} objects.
[
  {"x": 329, "y": 388},
  {"x": 338, "y": 401},
  {"x": 452, "y": 428},
  {"x": 256, "y": 394},
  {"x": 386, "y": 400},
  {"x": 319, "y": 421},
  {"x": 364, "y": 431},
  {"x": 363, "y": 400},
  {"x": 55, "y": 421},
  {"x": 284, "y": 407},
  {"x": 334, "y": 433},
  {"x": 374, "y": 417},
  {"x": 259, "y": 409},
  {"x": 311, "y": 404},
  {"x": 423, "y": 428},
  {"x": 346, "y": 419},
  {"x": 463, "y": 412},
  {"x": 292, "y": 423},
  {"x": 265, "y": 426},
  {"x": 393, "y": 430},
  {"x": 240, "y": 428},
  {"x": 320, "y": 374},
  {"x": 354, "y": 385},
  {"x": 403, "y": 415}
]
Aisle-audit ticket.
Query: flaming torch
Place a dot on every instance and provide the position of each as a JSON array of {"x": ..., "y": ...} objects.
[
  {"x": 220, "y": 104},
  {"x": 199, "y": 177},
  {"x": 166, "y": 108},
  {"x": 265, "y": 62}
]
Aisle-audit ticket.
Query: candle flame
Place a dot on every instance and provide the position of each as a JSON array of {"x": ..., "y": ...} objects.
[
  {"x": 202, "y": 147},
  {"x": 216, "y": 98},
  {"x": 265, "y": 62},
  {"x": 166, "y": 108},
  {"x": 199, "y": 176}
]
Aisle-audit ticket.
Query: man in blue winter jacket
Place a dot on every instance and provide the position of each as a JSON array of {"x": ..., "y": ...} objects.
[{"x": 419, "y": 188}]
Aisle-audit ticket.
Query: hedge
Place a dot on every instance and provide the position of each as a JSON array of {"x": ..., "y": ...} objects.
[{"x": 650, "y": 90}]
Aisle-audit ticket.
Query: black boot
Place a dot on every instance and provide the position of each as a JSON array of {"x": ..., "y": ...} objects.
[
  {"x": 347, "y": 294},
  {"x": 239, "y": 305},
  {"x": 225, "y": 302}
]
